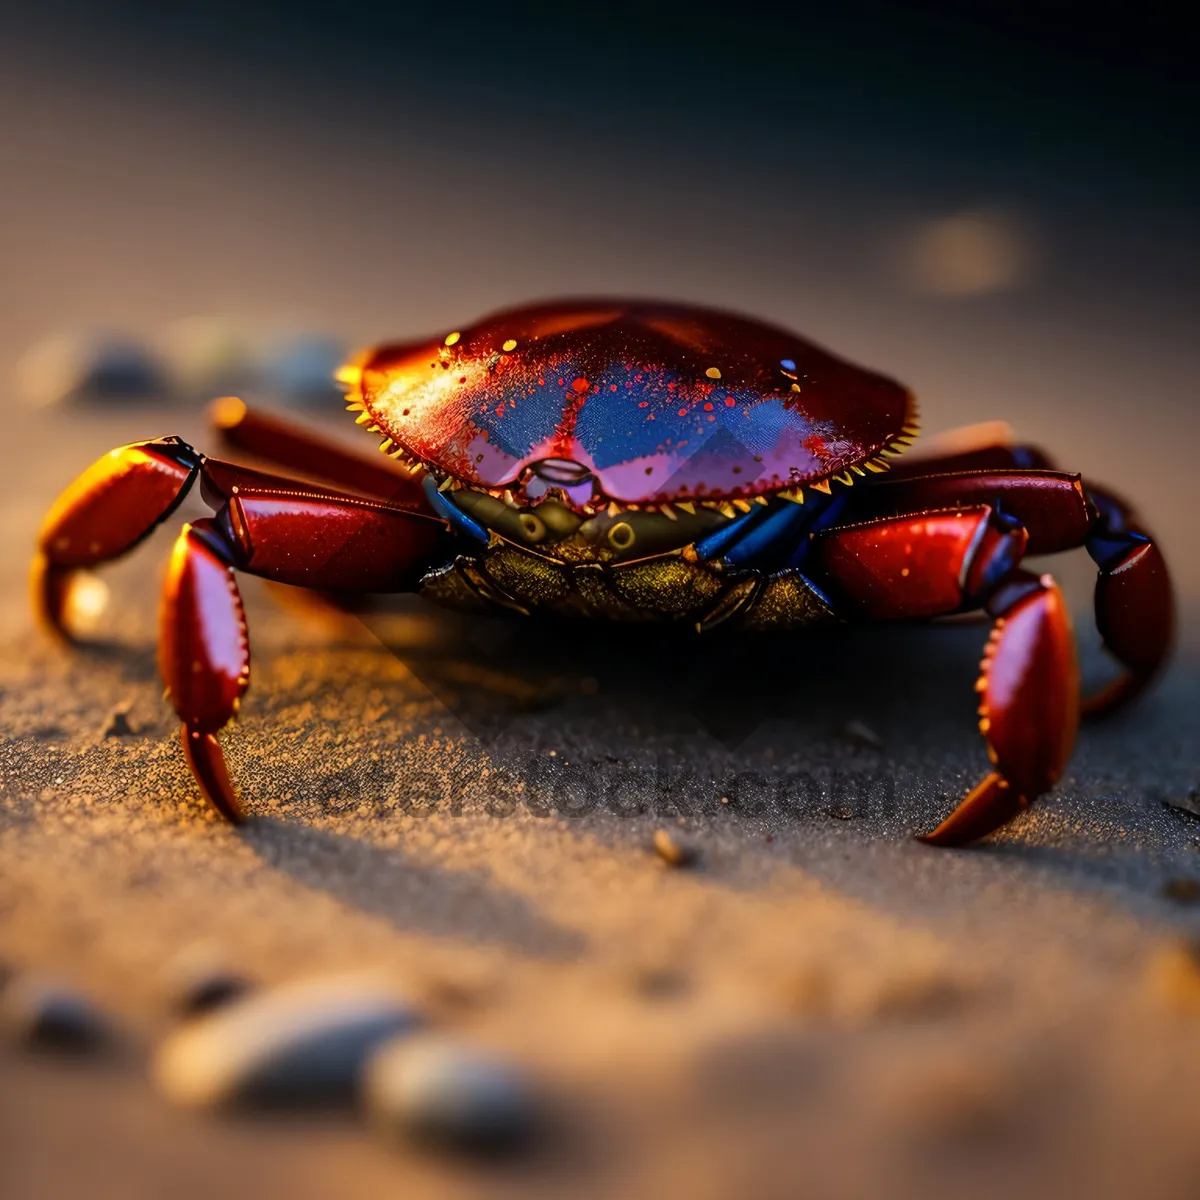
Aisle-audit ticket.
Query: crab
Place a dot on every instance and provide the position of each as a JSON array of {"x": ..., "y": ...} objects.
[{"x": 618, "y": 461}]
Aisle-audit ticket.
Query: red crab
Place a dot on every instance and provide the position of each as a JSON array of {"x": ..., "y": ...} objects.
[{"x": 632, "y": 461}]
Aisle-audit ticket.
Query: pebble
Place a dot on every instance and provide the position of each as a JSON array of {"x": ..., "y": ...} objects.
[
  {"x": 674, "y": 851},
  {"x": 751, "y": 1073},
  {"x": 118, "y": 724},
  {"x": 460, "y": 992},
  {"x": 208, "y": 355},
  {"x": 48, "y": 1016},
  {"x": 917, "y": 995},
  {"x": 862, "y": 735},
  {"x": 205, "y": 992},
  {"x": 303, "y": 1043},
  {"x": 1182, "y": 891},
  {"x": 1189, "y": 804},
  {"x": 953, "y": 1097},
  {"x": 810, "y": 992},
  {"x": 199, "y": 981},
  {"x": 1175, "y": 977},
  {"x": 301, "y": 369},
  {"x": 88, "y": 368},
  {"x": 660, "y": 983},
  {"x": 432, "y": 1090}
]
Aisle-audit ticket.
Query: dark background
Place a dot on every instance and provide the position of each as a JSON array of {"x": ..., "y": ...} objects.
[
  {"x": 995, "y": 203},
  {"x": 377, "y": 170}
]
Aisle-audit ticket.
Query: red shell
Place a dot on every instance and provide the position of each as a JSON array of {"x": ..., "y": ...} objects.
[{"x": 659, "y": 402}]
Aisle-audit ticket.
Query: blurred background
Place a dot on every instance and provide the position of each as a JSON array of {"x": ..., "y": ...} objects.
[{"x": 995, "y": 203}]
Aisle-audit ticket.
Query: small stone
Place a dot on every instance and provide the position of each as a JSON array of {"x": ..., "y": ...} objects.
[
  {"x": 304, "y": 1043},
  {"x": 841, "y": 812},
  {"x": 917, "y": 995},
  {"x": 208, "y": 992},
  {"x": 1175, "y": 976},
  {"x": 1182, "y": 891},
  {"x": 431, "y": 1090},
  {"x": 1188, "y": 804},
  {"x": 200, "y": 981},
  {"x": 208, "y": 355},
  {"x": 301, "y": 369},
  {"x": 753, "y": 1073},
  {"x": 862, "y": 735},
  {"x": 809, "y": 992},
  {"x": 46, "y": 1016},
  {"x": 674, "y": 851},
  {"x": 455, "y": 993},
  {"x": 660, "y": 983},
  {"x": 118, "y": 723},
  {"x": 952, "y": 1098},
  {"x": 90, "y": 369}
]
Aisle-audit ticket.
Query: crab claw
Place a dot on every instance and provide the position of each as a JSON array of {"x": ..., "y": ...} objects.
[
  {"x": 50, "y": 591},
  {"x": 990, "y": 805},
  {"x": 207, "y": 762},
  {"x": 104, "y": 513},
  {"x": 1135, "y": 613},
  {"x": 1029, "y": 710},
  {"x": 204, "y": 655}
]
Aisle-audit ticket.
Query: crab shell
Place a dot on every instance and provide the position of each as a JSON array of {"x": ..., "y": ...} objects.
[{"x": 628, "y": 403}]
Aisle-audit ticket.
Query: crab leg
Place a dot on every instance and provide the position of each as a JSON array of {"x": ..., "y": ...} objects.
[
  {"x": 313, "y": 538},
  {"x": 1051, "y": 505},
  {"x": 122, "y": 497},
  {"x": 916, "y": 567},
  {"x": 1134, "y": 602},
  {"x": 266, "y": 525},
  {"x": 108, "y": 509},
  {"x": 990, "y": 446},
  {"x": 937, "y": 563},
  {"x": 310, "y": 538},
  {"x": 204, "y": 655},
  {"x": 1029, "y": 707},
  {"x": 289, "y": 445}
]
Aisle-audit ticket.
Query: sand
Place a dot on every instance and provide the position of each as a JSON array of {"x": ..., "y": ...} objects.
[{"x": 819, "y": 1006}]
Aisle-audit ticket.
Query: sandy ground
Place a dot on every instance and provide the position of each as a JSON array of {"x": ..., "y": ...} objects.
[{"x": 821, "y": 1007}]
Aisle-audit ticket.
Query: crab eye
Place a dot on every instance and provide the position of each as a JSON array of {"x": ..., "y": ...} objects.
[
  {"x": 621, "y": 536},
  {"x": 533, "y": 527},
  {"x": 562, "y": 472}
]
